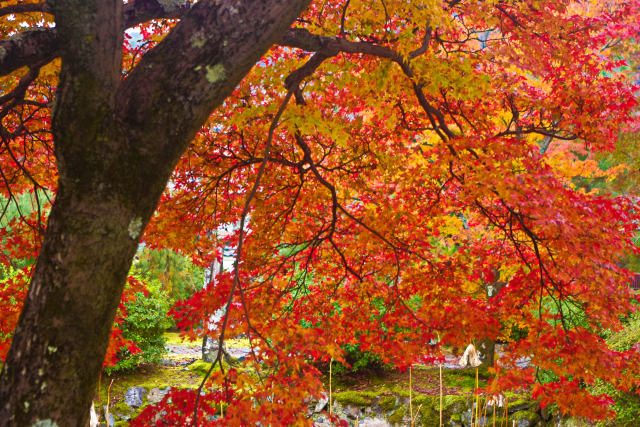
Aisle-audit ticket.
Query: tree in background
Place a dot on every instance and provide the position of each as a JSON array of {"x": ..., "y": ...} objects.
[
  {"x": 394, "y": 146},
  {"x": 178, "y": 277}
]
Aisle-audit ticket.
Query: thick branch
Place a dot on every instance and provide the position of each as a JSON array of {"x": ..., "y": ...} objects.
[
  {"x": 43, "y": 45},
  {"x": 211, "y": 49}
]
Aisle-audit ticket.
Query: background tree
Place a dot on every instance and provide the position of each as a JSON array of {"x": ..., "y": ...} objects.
[{"x": 399, "y": 208}]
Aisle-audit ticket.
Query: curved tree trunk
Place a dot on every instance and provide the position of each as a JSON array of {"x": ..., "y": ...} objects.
[{"x": 116, "y": 143}]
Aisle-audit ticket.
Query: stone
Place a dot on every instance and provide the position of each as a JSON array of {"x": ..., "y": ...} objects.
[
  {"x": 93, "y": 417},
  {"x": 156, "y": 395},
  {"x": 321, "y": 403},
  {"x": 481, "y": 422},
  {"x": 134, "y": 396},
  {"x": 374, "y": 422},
  {"x": 337, "y": 407},
  {"x": 574, "y": 422},
  {"x": 210, "y": 349},
  {"x": 352, "y": 412},
  {"x": 111, "y": 421}
]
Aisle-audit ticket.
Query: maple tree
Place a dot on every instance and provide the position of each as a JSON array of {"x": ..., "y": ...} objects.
[{"x": 386, "y": 163}]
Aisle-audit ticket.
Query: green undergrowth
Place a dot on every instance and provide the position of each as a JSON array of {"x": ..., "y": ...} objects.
[{"x": 626, "y": 404}]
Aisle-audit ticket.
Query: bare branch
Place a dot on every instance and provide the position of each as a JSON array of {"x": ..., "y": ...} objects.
[{"x": 25, "y": 8}]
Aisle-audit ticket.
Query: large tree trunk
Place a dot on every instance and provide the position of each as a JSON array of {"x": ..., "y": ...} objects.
[
  {"x": 69, "y": 310},
  {"x": 116, "y": 143}
]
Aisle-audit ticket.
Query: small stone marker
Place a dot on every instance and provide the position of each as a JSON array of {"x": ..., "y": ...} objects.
[{"x": 134, "y": 396}]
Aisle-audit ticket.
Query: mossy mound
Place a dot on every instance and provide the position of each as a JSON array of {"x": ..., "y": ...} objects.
[
  {"x": 355, "y": 398},
  {"x": 465, "y": 379}
]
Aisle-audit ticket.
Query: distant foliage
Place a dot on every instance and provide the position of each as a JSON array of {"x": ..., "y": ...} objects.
[{"x": 177, "y": 276}]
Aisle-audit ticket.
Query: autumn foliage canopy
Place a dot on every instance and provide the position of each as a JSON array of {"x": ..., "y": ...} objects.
[{"x": 401, "y": 176}]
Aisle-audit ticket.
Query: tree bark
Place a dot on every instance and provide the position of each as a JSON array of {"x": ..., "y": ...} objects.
[
  {"x": 487, "y": 351},
  {"x": 116, "y": 143},
  {"x": 487, "y": 346}
]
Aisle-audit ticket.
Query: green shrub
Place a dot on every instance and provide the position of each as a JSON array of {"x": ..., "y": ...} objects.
[
  {"x": 358, "y": 361},
  {"x": 145, "y": 324}
]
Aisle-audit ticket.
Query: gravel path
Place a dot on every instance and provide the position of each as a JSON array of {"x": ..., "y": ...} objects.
[{"x": 194, "y": 351}]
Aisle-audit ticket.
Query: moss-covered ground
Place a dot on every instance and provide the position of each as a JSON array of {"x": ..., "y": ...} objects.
[
  {"x": 388, "y": 390},
  {"x": 425, "y": 380},
  {"x": 180, "y": 370}
]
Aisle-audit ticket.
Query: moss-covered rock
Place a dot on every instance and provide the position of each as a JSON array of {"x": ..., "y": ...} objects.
[
  {"x": 453, "y": 403},
  {"x": 428, "y": 416},
  {"x": 122, "y": 410},
  {"x": 398, "y": 415},
  {"x": 525, "y": 418},
  {"x": 456, "y": 418},
  {"x": 522, "y": 405},
  {"x": 426, "y": 401},
  {"x": 579, "y": 422},
  {"x": 387, "y": 403}
]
